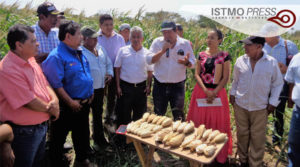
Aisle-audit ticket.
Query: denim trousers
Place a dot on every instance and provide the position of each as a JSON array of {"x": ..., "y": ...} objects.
[
  {"x": 294, "y": 138},
  {"x": 29, "y": 144},
  {"x": 163, "y": 93}
]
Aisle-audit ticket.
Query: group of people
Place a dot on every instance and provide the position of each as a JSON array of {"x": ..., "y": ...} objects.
[{"x": 57, "y": 76}]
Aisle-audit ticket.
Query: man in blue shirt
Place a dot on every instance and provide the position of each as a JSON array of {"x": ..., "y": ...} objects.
[
  {"x": 283, "y": 51},
  {"x": 293, "y": 77},
  {"x": 68, "y": 72},
  {"x": 102, "y": 72}
]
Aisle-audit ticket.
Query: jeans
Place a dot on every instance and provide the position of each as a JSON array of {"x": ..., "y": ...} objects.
[
  {"x": 294, "y": 138},
  {"x": 29, "y": 144},
  {"x": 97, "y": 110},
  {"x": 163, "y": 93},
  {"x": 78, "y": 123}
]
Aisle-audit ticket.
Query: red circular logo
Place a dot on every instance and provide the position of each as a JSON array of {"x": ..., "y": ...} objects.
[{"x": 285, "y": 18}]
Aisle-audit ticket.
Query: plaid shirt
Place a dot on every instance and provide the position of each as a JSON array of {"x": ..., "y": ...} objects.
[{"x": 47, "y": 43}]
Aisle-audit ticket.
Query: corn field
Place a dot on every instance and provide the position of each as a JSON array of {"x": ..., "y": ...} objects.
[{"x": 150, "y": 23}]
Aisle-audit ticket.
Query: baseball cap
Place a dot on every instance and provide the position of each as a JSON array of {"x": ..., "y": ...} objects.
[
  {"x": 89, "y": 32},
  {"x": 179, "y": 26},
  {"x": 48, "y": 8},
  {"x": 124, "y": 26},
  {"x": 253, "y": 39},
  {"x": 168, "y": 25}
]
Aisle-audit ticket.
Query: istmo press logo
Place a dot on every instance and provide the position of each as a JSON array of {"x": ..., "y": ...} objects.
[
  {"x": 262, "y": 20},
  {"x": 284, "y": 18}
]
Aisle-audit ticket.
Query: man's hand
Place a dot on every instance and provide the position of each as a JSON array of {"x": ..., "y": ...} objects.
[
  {"x": 232, "y": 99},
  {"x": 41, "y": 57},
  {"x": 270, "y": 108},
  {"x": 282, "y": 68},
  {"x": 167, "y": 45},
  {"x": 185, "y": 59},
  {"x": 91, "y": 99},
  {"x": 53, "y": 109},
  {"x": 119, "y": 91},
  {"x": 108, "y": 79},
  {"x": 147, "y": 90},
  {"x": 75, "y": 105},
  {"x": 7, "y": 155}
]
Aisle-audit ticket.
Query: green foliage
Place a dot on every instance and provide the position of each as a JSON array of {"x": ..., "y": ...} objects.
[{"x": 194, "y": 30}]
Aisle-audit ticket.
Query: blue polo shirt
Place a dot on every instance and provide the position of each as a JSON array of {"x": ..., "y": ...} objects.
[{"x": 64, "y": 69}]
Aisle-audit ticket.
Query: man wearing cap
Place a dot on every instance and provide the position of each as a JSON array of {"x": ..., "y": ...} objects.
[
  {"x": 283, "y": 51},
  {"x": 68, "y": 72},
  {"x": 102, "y": 72},
  {"x": 179, "y": 30},
  {"x": 44, "y": 30},
  {"x": 111, "y": 42},
  {"x": 26, "y": 99},
  {"x": 124, "y": 30},
  {"x": 257, "y": 82},
  {"x": 172, "y": 56}
]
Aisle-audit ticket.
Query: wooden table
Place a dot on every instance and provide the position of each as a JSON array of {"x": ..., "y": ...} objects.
[{"x": 146, "y": 159}]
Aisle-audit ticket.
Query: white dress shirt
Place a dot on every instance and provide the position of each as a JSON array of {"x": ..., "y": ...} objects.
[
  {"x": 133, "y": 64},
  {"x": 255, "y": 90},
  {"x": 167, "y": 69},
  {"x": 99, "y": 66},
  {"x": 293, "y": 76}
]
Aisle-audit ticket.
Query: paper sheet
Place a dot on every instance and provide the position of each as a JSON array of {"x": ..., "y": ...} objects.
[{"x": 203, "y": 103}]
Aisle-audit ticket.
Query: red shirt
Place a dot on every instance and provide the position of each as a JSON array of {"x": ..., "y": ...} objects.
[{"x": 20, "y": 83}]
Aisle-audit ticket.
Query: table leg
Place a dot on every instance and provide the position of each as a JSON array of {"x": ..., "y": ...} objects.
[
  {"x": 150, "y": 156},
  {"x": 140, "y": 151},
  {"x": 195, "y": 164}
]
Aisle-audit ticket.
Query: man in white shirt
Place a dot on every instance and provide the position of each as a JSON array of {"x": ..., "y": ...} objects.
[
  {"x": 256, "y": 86},
  {"x": 133, "y": 78},
  {"x": 102, "y": 72},
  {"x": 293, "y": 78},
  {"x": 172, "y": 56}
]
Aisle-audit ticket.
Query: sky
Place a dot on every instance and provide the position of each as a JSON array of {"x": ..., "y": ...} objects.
[{"x": 94, "y": 6}]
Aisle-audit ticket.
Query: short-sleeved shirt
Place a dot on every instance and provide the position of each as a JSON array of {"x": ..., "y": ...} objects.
[
  {"x": 47, "y": 42},
  {"x": 69, "y": 69},
  {"x": 133, "y": 64},
  {"x": 99, "y": 65},
  {"x": 111, "y": 44},
  {"x": 208, "y": 64},
  {"x": 21, "y": 82},
  {"x": 167, "y": 69},
  {"x": 293, "y": 76}
]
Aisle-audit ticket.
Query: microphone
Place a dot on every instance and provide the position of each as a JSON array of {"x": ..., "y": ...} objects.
[{"x": 167, "y": 52}]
